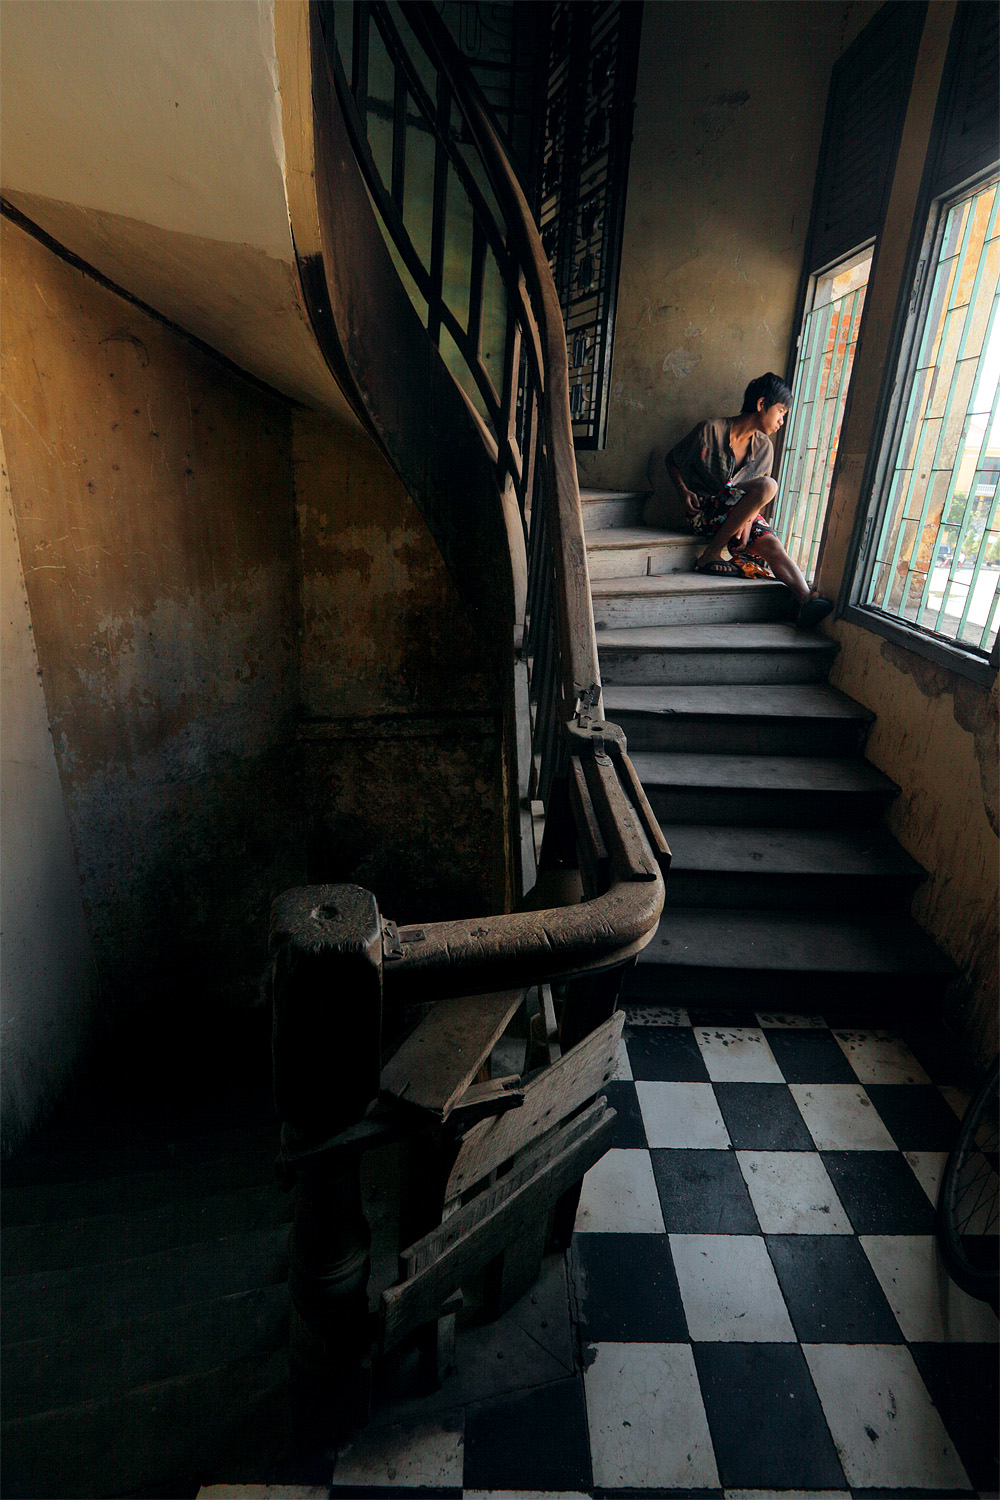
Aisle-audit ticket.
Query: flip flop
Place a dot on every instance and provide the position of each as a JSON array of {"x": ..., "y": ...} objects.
[
  {"x": 719, "y": 569},
  {"x": 814, "y": 609}
]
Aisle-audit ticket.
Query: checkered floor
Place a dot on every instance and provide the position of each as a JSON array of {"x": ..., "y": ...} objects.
[{"x": 753, "y": 1303}]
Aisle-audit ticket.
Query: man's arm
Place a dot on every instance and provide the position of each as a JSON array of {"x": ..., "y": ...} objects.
[{"x": 691, "y": 502}]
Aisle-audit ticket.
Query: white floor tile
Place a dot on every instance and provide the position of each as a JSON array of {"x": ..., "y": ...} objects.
[
  {"x": 623, "y": 1068},
  {"x": 619, "y": 1196},
  {"x": 880, "y": 1057},
  {"x": 737, "y": 1054},
  {"x": 403, "y": 1455},
  {"x": 658, "y": 1015},
  {"x": 929, "y": 1307},
  {"x": 884, "y": 1424},
  {"x": 784, "y": 1494},
  {"x": 263, "y": 1492},
  {"x": 928, "y": 1169},
  {"x": 792, "y": 1193},
  {"x": 682, "y": 1115},
  {"x": 784, "y": 1020},
  {"x": 647, "y": 1419},
  {"x": 841, "y": 1117},
  {"x": 729, "y": 1290}
]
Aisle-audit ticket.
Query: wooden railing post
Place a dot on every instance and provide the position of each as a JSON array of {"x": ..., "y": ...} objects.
[{"x": 326, "y": 944}]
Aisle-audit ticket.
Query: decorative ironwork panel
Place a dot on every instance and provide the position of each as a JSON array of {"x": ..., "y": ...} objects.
[{"x": 592, "y": 53}]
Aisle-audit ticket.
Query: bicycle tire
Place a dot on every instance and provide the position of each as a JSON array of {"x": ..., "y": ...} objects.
[{"x": 967, "y": 1203}]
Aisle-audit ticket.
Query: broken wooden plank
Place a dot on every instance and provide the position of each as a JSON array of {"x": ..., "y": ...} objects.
[
  {"x": 631, "y": 856},
  {"x": 480, "y": 1231},
  {"x": 591, "y": 848},
  {"x": 554, "y": 1094},
  {"x": 439, "y": 1060},
  {"x": 650, "y": 825}
]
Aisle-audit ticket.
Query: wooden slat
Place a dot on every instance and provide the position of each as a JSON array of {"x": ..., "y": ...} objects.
[
  {"x": 549, "y": 1098},
  {"x": 650, "y": 825},
  {"x": 475, "y": 1234},
  {"x": 631, "y": 856},
  {"x": 593, "y": 852},
  {"x": 438, "y": 1061}
]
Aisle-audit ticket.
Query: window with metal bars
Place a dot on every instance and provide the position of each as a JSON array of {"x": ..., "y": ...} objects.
[
  {"x": 932, "y": 559},
  {"x": 822, "y": 377}
]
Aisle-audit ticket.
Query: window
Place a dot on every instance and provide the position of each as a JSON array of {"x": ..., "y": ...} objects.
[
  {"x": 823, "y": 373},
  {"x": 933, "y": 559}
]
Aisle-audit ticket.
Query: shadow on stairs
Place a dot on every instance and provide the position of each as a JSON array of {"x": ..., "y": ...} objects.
[{"x": 786, "y": 891}]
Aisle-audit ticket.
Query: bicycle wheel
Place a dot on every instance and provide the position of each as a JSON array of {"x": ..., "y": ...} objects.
[{"x": 967, "y": 1202}]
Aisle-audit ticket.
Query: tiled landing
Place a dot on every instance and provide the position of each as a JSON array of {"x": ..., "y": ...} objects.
[{"x": 753, "y": 1303}]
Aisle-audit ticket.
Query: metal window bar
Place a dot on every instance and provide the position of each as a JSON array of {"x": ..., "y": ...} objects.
[
  {"x": 915, "y": 431},
  {"x": 829, "y": 337},
  {"x": 943, "y": 350}
]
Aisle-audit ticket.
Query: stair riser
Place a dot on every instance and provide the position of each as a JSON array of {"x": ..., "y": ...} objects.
[
  {"x": 637, "y": 562},
  {"x": 870, "y": 996},
  {"x": 725, "y": 736},
  {"x": 681, "y": 668},
  {"x": 730, "y": 891},
  {"x": 599, "y": 515},
  {"x": 772, "y": 807},
  {"x": 731, "y": 608}
]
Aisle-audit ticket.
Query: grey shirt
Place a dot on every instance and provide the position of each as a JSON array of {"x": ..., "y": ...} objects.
[{"x": 706, "y": 461}]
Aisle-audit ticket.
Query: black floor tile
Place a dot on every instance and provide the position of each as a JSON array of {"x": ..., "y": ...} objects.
[
  {"x": 535, "y": 1440},
  {"x": 665, "y": 1054},
  {"x": 939, "y": 1052},
  {"x": 703, "y": 1192},
  {"x": 915, "y": 1115},
  {"x": 625, "y": 1290},
  {"x": 762, "y": 1117},
  {"x": 630, "y": 1133},
  {"x": 963, "y": 1384},
  {"x": 831, "y": 1292},
  {"x": 879, "y": 1192},
  {"x": 721, "y": 1015},
  {"x": 809, "y": 1056},
  {"x": 767, "y": 1425}
]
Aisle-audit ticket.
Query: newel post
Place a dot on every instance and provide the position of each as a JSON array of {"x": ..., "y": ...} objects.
[{"x": 326, "y": 946}]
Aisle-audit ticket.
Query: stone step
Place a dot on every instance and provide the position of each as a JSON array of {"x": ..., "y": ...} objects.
[
  {"x": 44, "y": 1304},
  {"x": 669, "y": 655},
  {"x": 605, "y": 508},
  {"x": 96, "y": 1364},
  {"x": 779, "y": 791},
  {"x": 634, "y": 551},
  {"x": 112, "y": 1237},
  {"x": 231, "y": 1419},
  {"x": 835, "y": 869},
  {"x": 789, "y": 960},
  {"x": 687, "y": 598},
  {"x": 780, "y": 719}
]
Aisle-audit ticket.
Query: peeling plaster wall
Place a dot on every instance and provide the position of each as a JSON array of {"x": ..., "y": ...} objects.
[
  {"x": 936, "y": 733},
  {"x": 152, "y": 493},
  {"x": 400, "y": 737},
  {"x": 729, "y": 116}
]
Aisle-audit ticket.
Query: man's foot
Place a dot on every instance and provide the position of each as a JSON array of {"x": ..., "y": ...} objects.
[
  {"x": 717, "y": 568},
  {"x": 812, "y": 611}
]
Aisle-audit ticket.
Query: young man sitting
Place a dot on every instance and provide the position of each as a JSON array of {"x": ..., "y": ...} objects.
[{"x": 722, "y": 472}]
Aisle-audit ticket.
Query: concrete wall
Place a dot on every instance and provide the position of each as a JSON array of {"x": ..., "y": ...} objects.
[
  {"x": 49, "y": 980},
  {"x": 729, "y": 117},
  {"x": 936, "y": 733},
  {"x": 400, "y": 736},
  {"x": 152, "y": 493}
]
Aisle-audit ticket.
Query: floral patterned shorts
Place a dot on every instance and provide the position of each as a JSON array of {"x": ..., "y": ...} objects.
[{"x": 714, "y": 510}]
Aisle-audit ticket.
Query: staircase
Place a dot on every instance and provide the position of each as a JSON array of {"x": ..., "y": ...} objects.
[
  {"x": 145, "y": 1306},
  {"x": 786, "y": 892}
]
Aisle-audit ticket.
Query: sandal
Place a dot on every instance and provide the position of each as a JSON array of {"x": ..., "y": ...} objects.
[
  {"x": 718, "y": 569},
  {"x": 812, "y": 610}
]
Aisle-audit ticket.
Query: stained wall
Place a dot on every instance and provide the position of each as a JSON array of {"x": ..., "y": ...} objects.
[{"x": 728, "y": 121}]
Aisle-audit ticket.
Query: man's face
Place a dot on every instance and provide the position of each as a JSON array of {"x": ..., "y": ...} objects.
[{"x": 772, "y": 417}]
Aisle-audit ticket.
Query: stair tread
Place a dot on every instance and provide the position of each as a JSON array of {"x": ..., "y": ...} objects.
[
  {"x": 787, "y": 851},
  {"x": 591, "y": 494},
  {"x": 751, "y": 636},
  {"x": 752, "y": 772},
  {"x": 791, "y": 940},
  {"x": 614, "y": 537},
  {"x": 742, "y": 700},
  {"x": 684, "y": 584}
]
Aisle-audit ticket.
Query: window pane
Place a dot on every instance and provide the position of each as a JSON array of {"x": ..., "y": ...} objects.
[
  {"x": 826, "y": 358},
  {"x": 937, "y": 559}
]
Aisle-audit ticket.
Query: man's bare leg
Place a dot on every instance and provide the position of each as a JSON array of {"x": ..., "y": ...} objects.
[
  {"x": 755, "y": 496},
  {"x": 773, "y": 553}
]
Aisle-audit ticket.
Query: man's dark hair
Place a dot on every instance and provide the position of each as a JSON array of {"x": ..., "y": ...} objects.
[{"x": 771, "y": 387}]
